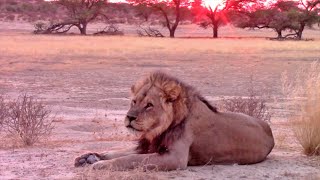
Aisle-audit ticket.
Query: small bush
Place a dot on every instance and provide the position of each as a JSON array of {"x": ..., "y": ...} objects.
[
  {"x": 10, "y": 17},
  {"x": 306, "y": 123},
  {"x": 40, "y": 26},
  {"x": 28, "y": 118},
  {"x": 254, "y": 105}
]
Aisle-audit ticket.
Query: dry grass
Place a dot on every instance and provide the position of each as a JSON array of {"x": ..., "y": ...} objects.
[
  {"x": 139, "y": 173},
  {"x": 56, "y": 52},
  {"x": 281, "y": 140},
  {"x": 306, "y": 124},
  {"x": 76, "y": 71}
]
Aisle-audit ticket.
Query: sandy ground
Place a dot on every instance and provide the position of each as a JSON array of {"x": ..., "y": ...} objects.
[{"x": 89, "y": 91}]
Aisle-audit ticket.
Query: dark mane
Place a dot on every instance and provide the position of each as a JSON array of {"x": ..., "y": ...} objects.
[
  {"x": 161, "y": 143},
  {"x": 212, "y": 108},
  {"x": 160, "y": 76}
]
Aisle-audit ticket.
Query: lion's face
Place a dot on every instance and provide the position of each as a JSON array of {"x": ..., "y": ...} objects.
[
  {"x": 149, "y": 111},
  {"x": 152, "y": 107}
]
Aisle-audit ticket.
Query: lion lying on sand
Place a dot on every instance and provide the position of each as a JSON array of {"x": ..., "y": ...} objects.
[{"x": 180, "y": 128}]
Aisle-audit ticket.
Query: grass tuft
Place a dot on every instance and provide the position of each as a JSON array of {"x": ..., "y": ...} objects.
[{"x": 306, "y": 123}]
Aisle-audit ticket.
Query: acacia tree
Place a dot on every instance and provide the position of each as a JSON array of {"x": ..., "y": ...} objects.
[
  {"x": 171, "y": 11},
  {"x": 217, "y": 14},
  {"x": 307, "y": 15},
  {"x": 283, "y": 15},
  {"x": 276, "y": 17},
  {"x": 82, "y": 12}
]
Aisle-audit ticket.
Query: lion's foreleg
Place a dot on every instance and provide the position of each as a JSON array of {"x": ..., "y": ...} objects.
[
  {"x": 176, "y": 158},
  {"x": 117, "y": 154},
  {"x": 146, "y": 161}
]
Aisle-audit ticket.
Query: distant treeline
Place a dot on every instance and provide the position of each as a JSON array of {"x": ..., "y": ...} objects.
[{"x": 287, "y": 18}]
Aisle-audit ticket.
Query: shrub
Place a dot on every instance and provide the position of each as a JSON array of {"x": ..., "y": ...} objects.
[
  {"x": 28, "y": 118},
  {"x": 10, "y": 17},
  {"x": 254, "y": 105},
  {"x": 40, "y": 26},
  {"x": 306, "y": 123},
  {"x": 3, "y": 111}
]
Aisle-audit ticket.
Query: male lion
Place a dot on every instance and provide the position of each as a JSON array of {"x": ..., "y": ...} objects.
[{"x": 180, "y": 128}]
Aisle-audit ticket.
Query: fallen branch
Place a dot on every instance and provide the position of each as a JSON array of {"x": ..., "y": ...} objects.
[
  {"x": 110, "y": 30},
  {"x": 58, "y": 28},
  {"x": 150, "y": 32}
]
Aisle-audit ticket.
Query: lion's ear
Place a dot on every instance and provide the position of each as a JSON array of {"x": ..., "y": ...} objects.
[{"x": 172, "y": 91}]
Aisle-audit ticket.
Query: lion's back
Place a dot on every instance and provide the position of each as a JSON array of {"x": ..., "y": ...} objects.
[{"x": 230, "y": 138}]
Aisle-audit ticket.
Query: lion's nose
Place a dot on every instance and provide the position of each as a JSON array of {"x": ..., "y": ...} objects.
[{"x": 131, "y": 118}]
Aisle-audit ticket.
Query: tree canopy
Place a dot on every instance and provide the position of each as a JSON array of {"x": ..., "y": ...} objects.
[{"x": 81, "y": 12}]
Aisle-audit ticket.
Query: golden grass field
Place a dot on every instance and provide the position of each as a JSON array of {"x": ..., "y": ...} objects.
[{"x": 86, "y": 80}]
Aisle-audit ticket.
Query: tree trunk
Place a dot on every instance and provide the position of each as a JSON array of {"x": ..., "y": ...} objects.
[
  {"x": 279, "y": 32},
  {"x": 83, "y": 28},
  {"x": 215, "y": 29},
  {"x": 172, "y": 31},
  {"x": 301, "y": 28},
  {"x": 176, "y": 23}
]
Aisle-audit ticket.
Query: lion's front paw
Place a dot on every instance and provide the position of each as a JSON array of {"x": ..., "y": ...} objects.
[{"x": 88, "y": 158}]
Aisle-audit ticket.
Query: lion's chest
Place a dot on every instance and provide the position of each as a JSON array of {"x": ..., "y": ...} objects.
[{"x": 162, "y": 143}]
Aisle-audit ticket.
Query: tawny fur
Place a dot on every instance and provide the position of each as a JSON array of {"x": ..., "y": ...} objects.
[{"x": 181, "y": 128}]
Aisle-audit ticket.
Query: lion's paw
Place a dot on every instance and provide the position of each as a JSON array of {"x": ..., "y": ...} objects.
[{"x": 88, "y": 158}]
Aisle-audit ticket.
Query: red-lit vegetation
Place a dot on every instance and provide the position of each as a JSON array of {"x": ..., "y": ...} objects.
[
  {"x": 293, "y": 16},
  {"x": 287, "y": 18}
]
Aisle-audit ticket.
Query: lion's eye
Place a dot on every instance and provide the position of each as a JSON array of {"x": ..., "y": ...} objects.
[
  {"x": 134, "y": 102},
  {"x": 149, "y": 105}
]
